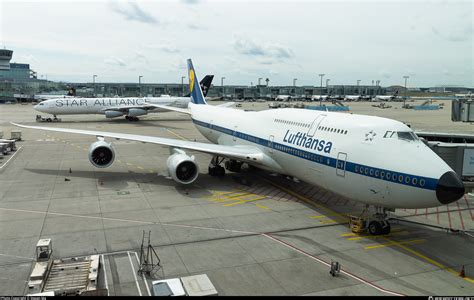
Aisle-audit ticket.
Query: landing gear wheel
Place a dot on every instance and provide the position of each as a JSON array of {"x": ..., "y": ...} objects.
[
  {"x": 375, "y": 228},
  {"x": 220, "y": 171},
  {"x": 214, "y": 167},
  {"x": 217, "y": 171},
  {"x": 386, "y": 229}
]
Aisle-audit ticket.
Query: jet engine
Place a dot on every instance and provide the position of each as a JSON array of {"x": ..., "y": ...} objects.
[
  {"x": 113, "y": 114},
  {"x": 182, "y": 168},
  {"x": 101, "y": 154},
  {"x": 135, "y": 112}
]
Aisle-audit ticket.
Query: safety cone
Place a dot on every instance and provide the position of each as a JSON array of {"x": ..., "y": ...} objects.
[{"x": 462, "y": 274}]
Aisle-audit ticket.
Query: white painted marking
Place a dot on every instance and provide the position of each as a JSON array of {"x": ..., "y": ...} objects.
[
  {"x": 143, "y": 276},
  {"x": 105, "y": 276},
  {"x": 134, "y": 275},
  {"x": 327, "y": 264},
  {"x": 6, "y": 163}
]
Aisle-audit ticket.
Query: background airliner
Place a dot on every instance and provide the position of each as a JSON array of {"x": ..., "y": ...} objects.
[
  {"x": 130, "y": 107},
  {"x": 373, "y": 160}
]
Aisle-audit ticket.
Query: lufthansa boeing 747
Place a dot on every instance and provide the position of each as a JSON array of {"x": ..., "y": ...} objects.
[{"x": 373, "y": 160}]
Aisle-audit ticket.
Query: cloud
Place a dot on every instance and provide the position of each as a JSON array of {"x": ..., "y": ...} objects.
[
  {"x": 131, "y": 11},
  {"x": 190, "y": 1},
  {"x": 196, "y": 27},
  {"x": 458, "y": 35},
  {"x": 385, "y": 74},
  {"x": 165, "y": 46},
  {"x": 114, "y": 61},
  {"x": 249, "y": 47},
  {"x": 28, "y": 59}
]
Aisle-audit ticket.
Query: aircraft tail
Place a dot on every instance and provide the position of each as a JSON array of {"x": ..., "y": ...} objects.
[
  {"x": 197, "y": 96},
  {"x": 205, "y": 85}
]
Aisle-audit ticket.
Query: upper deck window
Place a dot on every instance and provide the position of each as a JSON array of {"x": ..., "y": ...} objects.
[{"x": 401, "y": 135}]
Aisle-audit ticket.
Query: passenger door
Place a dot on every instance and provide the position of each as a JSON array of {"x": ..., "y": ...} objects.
[
  {"x": 341, "y": 164},
  {"x": 315, "y": 125},
  {"x": 270, "y": 143}
]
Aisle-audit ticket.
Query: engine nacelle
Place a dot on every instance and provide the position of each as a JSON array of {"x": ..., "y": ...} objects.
[
  {"x": 101, "y": 154},
  {"x": 135, "y": 112},
  {"x": 113, "y": 114},
  {"x": 182, "y": 168}
]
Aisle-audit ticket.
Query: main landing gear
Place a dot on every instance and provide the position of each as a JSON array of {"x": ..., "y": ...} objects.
[
  {"x": 375, "y": 224},
  {"x": 132, "y": 118},
  {"x": 215, "y": 168}
]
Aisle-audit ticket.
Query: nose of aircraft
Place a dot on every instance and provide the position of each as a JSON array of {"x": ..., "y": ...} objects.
[
  {"x": 37, "y": 107},
  {"x": 450, "y": 188}
]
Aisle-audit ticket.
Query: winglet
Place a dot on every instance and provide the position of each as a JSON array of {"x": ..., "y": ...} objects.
[{"x": 194, "y": 88}]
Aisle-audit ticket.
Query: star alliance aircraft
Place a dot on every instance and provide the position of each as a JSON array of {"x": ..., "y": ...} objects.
[
  {"x": 373, "y": 160},
  {"x": 115, "y": 107}
]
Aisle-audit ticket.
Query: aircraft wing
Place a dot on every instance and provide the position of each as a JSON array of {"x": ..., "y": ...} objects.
[
  {"x": 241, "y": 152},
  {"x": 171, "y": 108},
  {"x": 146, "y": 106},
  {"x": 227, "y": 104}
]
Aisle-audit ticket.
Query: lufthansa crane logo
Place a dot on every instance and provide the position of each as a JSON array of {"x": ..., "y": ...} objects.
[{"x": 191, "y": 80}]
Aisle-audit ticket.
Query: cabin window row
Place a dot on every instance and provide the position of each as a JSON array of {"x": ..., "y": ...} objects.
[
  {"x": 333, "y": 130},
  {"x": 292, "y": 123},
  {"x": 390, "y": 176}
]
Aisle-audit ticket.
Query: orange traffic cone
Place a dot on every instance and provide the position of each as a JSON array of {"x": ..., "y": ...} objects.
[{"x": 462, "y": 274}]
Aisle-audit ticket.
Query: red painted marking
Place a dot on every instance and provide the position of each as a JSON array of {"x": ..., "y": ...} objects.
[
  {"x": 449, "y": 217},
  {"x": 437, "y": 215},
  {"x": 470, "y": 211},
  {"x": 460, "y": 215}
]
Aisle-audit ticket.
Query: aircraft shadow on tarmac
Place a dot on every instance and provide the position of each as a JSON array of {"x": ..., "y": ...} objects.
[{"x": 120, "y": 180}]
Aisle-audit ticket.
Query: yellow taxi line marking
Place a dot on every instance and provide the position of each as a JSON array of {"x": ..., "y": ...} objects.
[
  {"x": 140, "y": 168},
  {"x": 225, "y": 193},
  {"x": 261, "y": 206},
  {"x": 377, "y": 236},
  {"x": 328, "y": 222},
  {"x": 245, "y": 201},
  {"x": 85, "y": 149},
  {"x": 394, "y": 243},
  {"x": 175, "y": 134},
  {"x": 416, "y": 253}
]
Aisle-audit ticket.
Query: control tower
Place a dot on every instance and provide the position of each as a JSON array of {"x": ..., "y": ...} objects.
[{"x": 5, "y": 57}]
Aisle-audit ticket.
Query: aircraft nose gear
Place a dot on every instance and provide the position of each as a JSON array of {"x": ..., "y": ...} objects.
[
  {"x": 375, "y": 224},
  {"x": 214, "y": 167}
]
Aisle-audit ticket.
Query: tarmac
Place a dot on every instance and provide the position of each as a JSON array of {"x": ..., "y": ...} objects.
[{"x": 252, "y": 233}]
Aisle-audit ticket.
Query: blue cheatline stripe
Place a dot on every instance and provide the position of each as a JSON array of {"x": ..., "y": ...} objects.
[{"x": 364, "y": 170}]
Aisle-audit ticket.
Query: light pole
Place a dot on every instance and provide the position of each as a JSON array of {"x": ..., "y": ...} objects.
[
  {"x": 327, "y": 86},
  {"x": 404, "y": 98},
  {"x": 182, "y": 85},
  {"x": 321, "y": 90},
  {"x": 93, "y": 83},
  {"x": 294, "y": 86},
  {"x": 139, "y": 85},
  {"x": 222, "y": 85}
]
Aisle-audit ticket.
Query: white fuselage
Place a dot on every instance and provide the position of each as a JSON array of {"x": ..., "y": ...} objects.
[
  {"x": 73, "y": 106},
  {"x": 351, "y": 155}
]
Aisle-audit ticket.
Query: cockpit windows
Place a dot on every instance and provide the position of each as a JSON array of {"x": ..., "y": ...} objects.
[
  {"x": 41, "y": 104},
  {"x": 401, "y": 135}
]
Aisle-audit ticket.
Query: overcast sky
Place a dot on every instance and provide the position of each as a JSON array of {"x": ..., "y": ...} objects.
[{"x": 431, "y": 41}]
